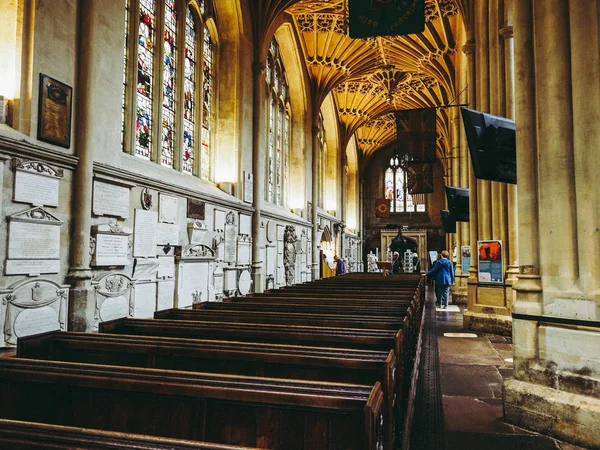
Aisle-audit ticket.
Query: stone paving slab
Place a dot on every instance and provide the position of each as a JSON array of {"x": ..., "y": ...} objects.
[
  {"x": 471, "y": 380},
  {"x": 468, "y": 351}
]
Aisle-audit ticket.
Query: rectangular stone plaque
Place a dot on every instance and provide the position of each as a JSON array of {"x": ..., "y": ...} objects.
[
  {"x": 243, "y": 253},
  {"x": 219, "y": 220},
  {"x": 110, "y": 200},
  {"x": 280, "y": 232},
  {"x": 111, "y": 250},
  {"x": 168, "y": 233},
  {"x": 145, "y": 300},
  {"x": 32, "y": 266},
  {"x": 230, "y": 244},
  {"x": 145, "y": 234},
  {"x": 166, "y": 267},
  {"x": 271, "y": 260},
  {"x": 33, "y": 241},
  {"x": 245, "y": 224},
  {"x": 248, "y": 187},
  {"x": 195, "y": 209},
  {"x": 36, "y": 189},
  {"x": 146, "y": 269},
  {"x": 166, "y": 294},
  {"x": 168, "y": 209}
]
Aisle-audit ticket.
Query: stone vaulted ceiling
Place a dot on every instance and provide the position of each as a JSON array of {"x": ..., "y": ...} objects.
[{"x": 370, "y": 78}]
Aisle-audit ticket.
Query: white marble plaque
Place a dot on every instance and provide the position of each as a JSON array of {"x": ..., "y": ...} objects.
[
  {"x": 39, "y": 190},
  {"x": 271, "y": 260},
  {"x": 166, "y": 267},
  {"x": 110, "y": 200},
  {"x": 32, "y": 266},
  {"x": 166, "y": 293},
  {"x": 230, "y": 280},
  {"x": 218, "y": 281},
  {"x": 114, "y": 308},
  {"x": 194, "y": 281},
  {"x": 33, "y": 241},
  {"x": 245, "y": 224},
  {"x": 280, "y": 232},
  {"x": 219, "y": 220},
  {"x": 230, "y": 243},
  {"x": 111, "y": 250},
  {"x": 168, "y": 233},
  {"x": 243, "y": 253},
  {"x": 146, "y": 269},
  {"x": 248, "y": 187},
  {"x": 168, "y": 209},
  {"x": 145, "y": 301},
  {"x": 35, "y": 321},
  {"x": 145, "y": 233}
]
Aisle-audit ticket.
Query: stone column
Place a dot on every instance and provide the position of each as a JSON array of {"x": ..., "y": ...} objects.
[
  {"x": 258, "y": 167},
  {"x": 555, "y": 333},
  {"x": 315, "y": 196},
  {"x": 82, "y": 301}
]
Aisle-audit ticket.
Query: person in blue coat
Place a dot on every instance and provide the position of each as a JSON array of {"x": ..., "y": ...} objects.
[{"x": 443, "y": 274}]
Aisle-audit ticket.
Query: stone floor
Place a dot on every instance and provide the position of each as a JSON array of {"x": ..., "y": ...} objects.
[{"x": 472, "y": 370}]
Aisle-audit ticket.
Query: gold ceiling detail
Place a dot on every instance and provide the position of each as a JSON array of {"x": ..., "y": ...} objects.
[{"x": 369, "y": 78}]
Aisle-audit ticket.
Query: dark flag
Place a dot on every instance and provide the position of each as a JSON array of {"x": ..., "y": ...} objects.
[
  {"x": 416, "y": 129},
  {"x": 419, "y": 178},
  {"x": 369, "y": 18},
  {"x": 382, "y": 207}
]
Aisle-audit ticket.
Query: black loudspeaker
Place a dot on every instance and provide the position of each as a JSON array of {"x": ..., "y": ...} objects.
[
  {"x": 492, "y": 145},
  {"x": 448, "y": 222},
  {"x": 458, "y": 203}
]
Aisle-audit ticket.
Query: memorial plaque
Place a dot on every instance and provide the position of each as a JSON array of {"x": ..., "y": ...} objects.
[
  {"x": 36, "y": 189},
  {"x": 166, "y": 295},
  {"x": 36, "y": 321},
  {"x": 145, "y": 233},
  {"x": 166, "y": 267},
  {"x": 168, "y": 209},
  {"x": 111, "y": 250},
  {"x": 218, "y": 281},
  {"x": 243, "y": 253},
  {"x": 271, "y": 260},
  {"x": 110, "y": 200},
  {"x": 219, "y": 220},
  {"x": 248, "y": 187},
  {"x": 146, "y": 269},
  {"x": 168, "y": 233},
  {"x": 245, "y": 224},
  {"x": 114, "y": 308},
  {"x": 230, "y": 243},
  {"x": 32, "y": 266},
  {"x": 28, "y": 240},
  {"x": 145, "y": 300},
  {"x": 195, "y": 209},
  {"x": 280, "y": 232}
]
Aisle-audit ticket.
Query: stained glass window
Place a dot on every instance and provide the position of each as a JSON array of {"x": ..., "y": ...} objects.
[
  {"x": 146, "y": 38},
  {"x": 169, "y": 83},
  {"x": 396, "y": 190},
  {"x": 207, "y": 96},
  {"x": 279, "y": 127},
  {"x": 189, "y": 87},
  {"x": 125, "y": 65}
]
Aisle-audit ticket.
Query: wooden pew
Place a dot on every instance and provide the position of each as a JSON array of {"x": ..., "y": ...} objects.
[
  {"x": 283, "y": 318},
  {"x": 18, "y": 435},
  {"x": 228, "y": 409},
  {"x": 241, "y": 358}
]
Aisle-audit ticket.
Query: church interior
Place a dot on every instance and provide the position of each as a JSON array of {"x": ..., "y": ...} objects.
[{"x": 200, "y": 201}]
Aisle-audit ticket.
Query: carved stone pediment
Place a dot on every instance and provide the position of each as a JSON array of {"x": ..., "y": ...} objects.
[
  {"x": 197, "y": 251},
  {"x": 115, "y": 297},
  {"x": 36, "y": 215},
  {"x": 37, "y": 167}
]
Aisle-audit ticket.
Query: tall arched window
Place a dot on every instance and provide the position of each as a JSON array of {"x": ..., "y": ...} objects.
[
  {"x": 322, "y": 160},
  {"x": 167, "y": 126},
  {"x": 279, "y": 127},
  {"x": 396, "y": 188}
]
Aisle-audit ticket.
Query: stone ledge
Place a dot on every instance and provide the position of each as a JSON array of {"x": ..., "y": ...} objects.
[
  {"x": 571, "y": 417},
  {"x": 488, "y": 323}
]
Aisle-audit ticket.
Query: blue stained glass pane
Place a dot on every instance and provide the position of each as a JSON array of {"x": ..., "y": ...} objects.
[
  {"x": 207, "y": 85},
  {"x": 189, "y": 88},
  {"x": 146, "y": 37}
]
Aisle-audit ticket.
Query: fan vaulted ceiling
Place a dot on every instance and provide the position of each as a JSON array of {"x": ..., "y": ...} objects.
[{"x": 370, "y": 78}]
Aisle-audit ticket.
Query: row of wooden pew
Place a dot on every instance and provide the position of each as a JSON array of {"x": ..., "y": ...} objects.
[{"x": 324, "y": 365}]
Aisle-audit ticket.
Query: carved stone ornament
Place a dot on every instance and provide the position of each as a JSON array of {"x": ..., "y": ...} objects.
[
  {"x": 115, "y": 297},
  {"x": 289, "y": 253},
  {"x": 32, "y": 307},
  {"x": 230, "y": 218},
  {"x": 198, "y": 251},
  {"x": 36, "y": 215},
  {"x": 146, "y": 199},
  {"x": 38, "y": 167}
]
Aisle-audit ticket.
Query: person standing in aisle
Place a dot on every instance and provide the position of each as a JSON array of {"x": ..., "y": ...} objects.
[{"x": 443, "y": 274}]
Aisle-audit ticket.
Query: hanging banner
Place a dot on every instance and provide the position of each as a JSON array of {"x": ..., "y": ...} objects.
[
  {"x": 489, "y": 256},
  {"x": 370, "y": 18},
  {"x": 382, "y": 207},
  {"x": 419, "y": 178},
  {"x": 416, "y": 132}
]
